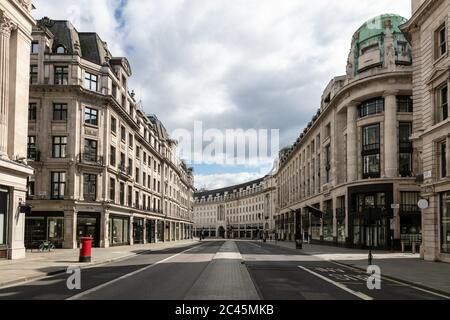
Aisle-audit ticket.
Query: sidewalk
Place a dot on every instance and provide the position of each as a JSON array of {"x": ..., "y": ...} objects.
[
  {"x": 41, "y": 264},
  {"x": 406, "y": 267}
]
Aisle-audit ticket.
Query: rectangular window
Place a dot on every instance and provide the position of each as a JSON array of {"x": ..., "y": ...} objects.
[
  {"x": 59, "y": 147},
  {"x": 371, "y": 107},
  {"x": 328, "y": 164},
  {"x": 122, "y": 162},
  {"x": 61, "y": 75},
  {"x": 31, "y": 148},
  {"x": 138, "y": 152},
  {"x": 113, "y": 125},
  {"x": 443, "y": 159},
  {"x": 60, "y": 112},
  {"x": 122, "y": 194},
  {"x": 123, "y": 133},
  {"x": 35, "y": 47},
  {"x": 130, "y": 196},
  {"x": 445, "y": 221},
  {"x": 114, "y": 91},
  {"x": 441, "y": 41},
  {"x": 371, "y": 138},
  {"x": 90, "y": 187},
  {"x": 112, "y": 156},
  {"x": 405, "y": 149},
  {"x": 33, "y": 74},
  {"x": 137, "y": 175},
  {"x": 58, "y": 185},
  {"x": 112, "y": 189},
  {"x": 409, "y": 202},
  {"x": 130, "y": 140},
  {"x": 442, "y": 103},
  {"x": 31, "y": 187},
  {"x": 90, "y": 116},
  {"x": 404, "y": 104},
  {"x": 130, "y": 167},
  {"x": 90, "y": 81},
  {"x": 90, "y": 150},
  {"x": 136, "y": 197},
  {"x": 371, "y": 151},
  {"x": 32, "y": 112},
  {"x": 144, "y": 176}
]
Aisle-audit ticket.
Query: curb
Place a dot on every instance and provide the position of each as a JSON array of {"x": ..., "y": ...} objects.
[{"x": 61, "y": 270}]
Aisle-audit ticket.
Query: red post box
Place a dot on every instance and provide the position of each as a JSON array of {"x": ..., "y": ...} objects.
[{"x": 85, "y": 249}]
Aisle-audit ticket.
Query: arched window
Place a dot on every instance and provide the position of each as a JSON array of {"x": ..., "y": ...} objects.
[{"x": 60, "y": 49}]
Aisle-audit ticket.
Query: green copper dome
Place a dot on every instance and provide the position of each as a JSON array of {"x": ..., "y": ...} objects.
[
  {"x": 377, "y": 26},
  {"x": 379, "y": 43}
]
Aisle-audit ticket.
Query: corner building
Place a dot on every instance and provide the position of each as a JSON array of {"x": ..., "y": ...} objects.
[
  {"x": 349, "y": 179},
  {"x": 243, "y": 211},
  {"x": 16, "y": 24},
  {"x": 428, "y": 32},
  {"x": 103, "y": 168}
]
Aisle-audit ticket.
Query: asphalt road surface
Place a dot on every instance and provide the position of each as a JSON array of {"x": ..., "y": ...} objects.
[{"x": 219, "y": 270}]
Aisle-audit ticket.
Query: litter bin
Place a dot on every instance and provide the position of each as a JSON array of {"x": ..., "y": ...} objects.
[
  {"x": 298, "y": 244},
  {"x": 85, "y": 249}
]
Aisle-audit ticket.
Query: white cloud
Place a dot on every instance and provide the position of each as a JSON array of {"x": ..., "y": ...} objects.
[
  {"x": 247, "y": 64},
  {"x": 217, "y": 181}
]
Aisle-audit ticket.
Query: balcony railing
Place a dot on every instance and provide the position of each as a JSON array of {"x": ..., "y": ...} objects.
[{"x": 91, "y": 159}]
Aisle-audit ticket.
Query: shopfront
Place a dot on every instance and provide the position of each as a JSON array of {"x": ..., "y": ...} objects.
[
  {"x": 88, "y": 225},
  {"x": 138, "y": 231},
  {"x": 370, "y": 216},
  {"x": 151, "y": 231},
  {"x": 445, "y": 221},
  {"x": 4, "y": 200},
  {"x": 340, "y": 220},
  {"x": 328, "y": 221},
  {"x": 119, "y": 231},
  {"x": 160, "y": 230},
  {"x": 44, "y": 226}
]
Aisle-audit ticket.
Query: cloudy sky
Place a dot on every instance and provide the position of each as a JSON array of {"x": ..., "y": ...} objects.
[{"x": 249, "y": 64}]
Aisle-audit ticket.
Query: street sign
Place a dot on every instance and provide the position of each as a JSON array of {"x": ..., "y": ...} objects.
[
  {"x": 395, "y": 206},
  {"x": 427, "y": 175},
  {"x": 423, "y": 204}
]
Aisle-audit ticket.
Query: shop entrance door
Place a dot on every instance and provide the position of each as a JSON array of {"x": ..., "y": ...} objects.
[
  {"x": 88, "y": 226},
  {"x": 370, "y": 228},
  {"x": 4, "y": 198}
]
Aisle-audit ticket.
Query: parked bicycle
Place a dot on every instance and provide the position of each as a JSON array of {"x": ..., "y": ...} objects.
[{"x": 46, "y": 246}]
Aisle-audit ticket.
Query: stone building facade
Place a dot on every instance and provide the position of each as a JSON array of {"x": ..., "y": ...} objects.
[
  {"x": 103, "y": 168},
  {"x": 243, "y": 211},
  {"x": 349, "y": 179},
  {"x": 428, "y": 32},
  {"x": 16, "y": 24}
]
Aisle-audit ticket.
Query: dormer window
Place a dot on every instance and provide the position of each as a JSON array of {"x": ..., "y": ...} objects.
[{"x": 60, "y": 49}]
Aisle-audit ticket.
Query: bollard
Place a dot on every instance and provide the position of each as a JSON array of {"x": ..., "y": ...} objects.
[
  {"x": 403, "y": 247},
  {"x": 414, "y": 248}
]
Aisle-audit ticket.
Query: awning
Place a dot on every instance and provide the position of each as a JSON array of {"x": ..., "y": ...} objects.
[{"x": 315, "y": 212}]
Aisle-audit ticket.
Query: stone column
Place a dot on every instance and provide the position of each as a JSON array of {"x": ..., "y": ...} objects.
[
  {"x": 390, "y": 135},
  {"x": 130, "y": 232},
  {"x": 352, "y": 142},
  {"x": 6, "y": 25},
  {"x": 104, "y": 229},
  {"x": 70, "y": 229}
]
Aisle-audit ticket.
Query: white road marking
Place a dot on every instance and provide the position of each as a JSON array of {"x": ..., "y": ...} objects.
[
  {"x": 92, "y": 290},
  {"x": 398, "y": 282},
  {"x": 339, "y": 285}
]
